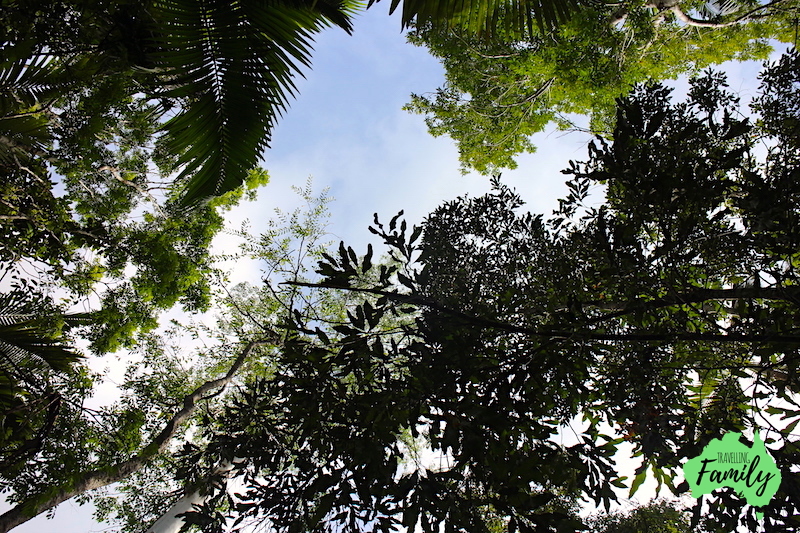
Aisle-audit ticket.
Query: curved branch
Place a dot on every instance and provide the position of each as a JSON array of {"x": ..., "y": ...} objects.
[
  {"x": 691, "y": 21},
  {"x": 95, "y": 479}
]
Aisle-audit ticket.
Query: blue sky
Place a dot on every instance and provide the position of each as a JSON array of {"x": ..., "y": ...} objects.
[{"x": 347, "y": 129}]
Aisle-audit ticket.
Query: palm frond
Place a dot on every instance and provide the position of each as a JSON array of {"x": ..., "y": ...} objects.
[
  {"x": 509, "y": 18},
  {"x": 24, "y": 83},
  {"x": 24, "y": 345},
  {"x": 27, "y": 336},
  {"x": 22, "y": 137},
  {"x": 233, "y": 65}
]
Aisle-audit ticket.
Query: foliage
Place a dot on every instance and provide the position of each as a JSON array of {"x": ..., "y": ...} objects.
[
  {"x": 487, "y": 19},
  {"x": 225, "y": 58},
  {"x": 131, "y": 441},
  {"x": 95, "y": 208},
  {"x": 115, "y": 117},
  {"x": 155, "y": 259},
  {"x": 103, "y": 103},
  {"x": 193, "y": 65},
  {"x": 487, "y": 332},
  {"x": 33, "y": 354},
  {"x": 656, "y": 517},
  {"x": 498, "y": 93},
  {"x": 668, "y": 313}
]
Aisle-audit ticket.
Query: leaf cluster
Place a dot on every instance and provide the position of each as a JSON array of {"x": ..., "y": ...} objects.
[{"x": 498, "y": 93}]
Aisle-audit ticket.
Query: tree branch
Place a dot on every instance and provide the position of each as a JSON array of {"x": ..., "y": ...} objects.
[
  {"x": 94, "y": 479},
  {"x": 691, "y": 21},
  {"x": 117, "y": 176},
  {"x": 172, "y": 521},
  {"x": 674, "y": 7},
  {"x": 533, "y": 96},
  {"x": 566, "y": 334},
  {"x": 788, "y": 294}
]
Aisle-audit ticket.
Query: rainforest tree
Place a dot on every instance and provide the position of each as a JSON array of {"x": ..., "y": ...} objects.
[
  {"x": 668, "y": 313},
  {"x": 498, "y": 92},
  {"x": 168, "y": 389}
]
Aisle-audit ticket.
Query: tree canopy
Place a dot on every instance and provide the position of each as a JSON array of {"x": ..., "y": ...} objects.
[
  {"x": 122, "y": 142},
  {"x": 499, "y": 92},
  {"x": 667, "y": 313},
  {"x": 659, "y": 516},
  {"x": 114, "y": 110},
  {"x": 657, "y": 307},
  {"x": 662, "y": 317},
  {"x": 167, "y": 389},
  {"x": 188, "y": 68}
]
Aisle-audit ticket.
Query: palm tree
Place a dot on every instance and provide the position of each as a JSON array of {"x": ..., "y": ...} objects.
[
  {"x": 231, "y": 66},
  {"x": 226, "y": 66}
]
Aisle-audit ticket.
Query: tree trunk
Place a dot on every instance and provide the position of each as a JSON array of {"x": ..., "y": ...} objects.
[{"x": 170, "y": 522}]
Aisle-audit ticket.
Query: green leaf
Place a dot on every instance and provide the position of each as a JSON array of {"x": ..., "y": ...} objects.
[
  {"x": 637, "y": 481},
  {"x": 480, "y": 17},
  {"x": 323, "y": 337}
]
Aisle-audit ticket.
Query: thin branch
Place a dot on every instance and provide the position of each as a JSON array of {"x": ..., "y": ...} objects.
[
  {"x": 30, "y": 172},
  {"x": 533, "y": 96},
  {"x": 788, "y": 294},
  {"x": 565, "y": 334},
  {"x": 691, "y": 21},
  {"x": 145, "y": 193}
]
